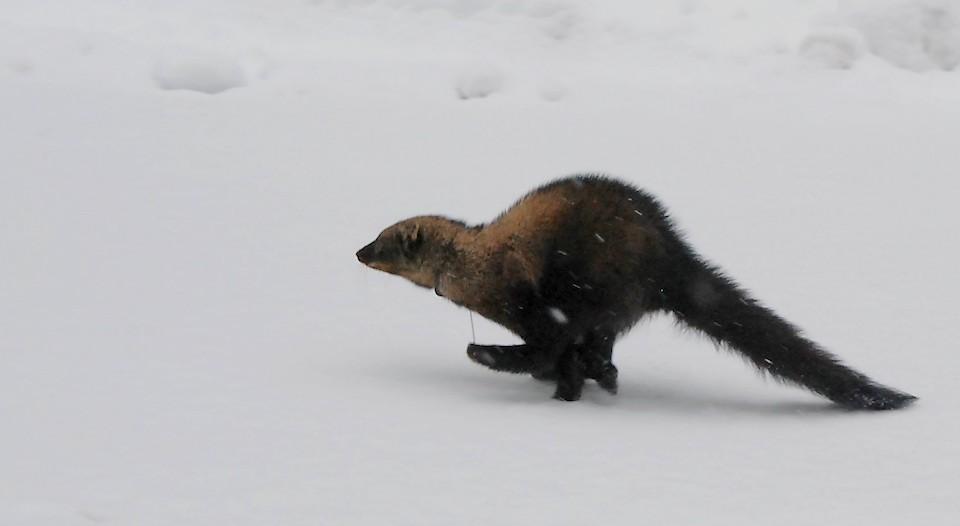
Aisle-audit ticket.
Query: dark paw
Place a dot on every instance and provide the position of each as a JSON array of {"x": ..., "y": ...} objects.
[
  {"x": 482, "y": 355},
  {"x": 567, "y": 394},
  {"x": 506, "y": 358},
  {"x": 604, "y": 372},
  {"x": 607, "y": 379}
]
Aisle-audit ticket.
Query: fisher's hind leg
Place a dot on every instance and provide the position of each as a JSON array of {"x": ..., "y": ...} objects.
[{"x": 597, "y": 355}]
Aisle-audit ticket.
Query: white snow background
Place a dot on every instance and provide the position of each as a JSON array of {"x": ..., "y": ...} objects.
[{"x": 187, "y": 339}]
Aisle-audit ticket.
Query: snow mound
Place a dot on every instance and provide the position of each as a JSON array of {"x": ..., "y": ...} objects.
[
  {"x": 479, "y": 82},
  {"x": 919, "y": 35},
  {"x": 562, "y": 24},
  {"x": 200, "y": 72},
  {"x": 833, "y": 47}
]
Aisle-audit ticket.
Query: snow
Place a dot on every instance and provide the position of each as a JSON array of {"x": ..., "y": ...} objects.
[
  {"x": 479, "y": 82},
  {"x": 188, "y": 339},
  {"x": 552, "y": 91},
  {"x": 838, "y": 48},
  {"x": 558, "y": 315},
  {"x": 917, "y": 35},
  {"x": 206, "y": 74}
]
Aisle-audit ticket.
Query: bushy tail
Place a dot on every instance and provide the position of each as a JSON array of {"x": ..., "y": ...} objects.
[{"x": 708, "y": 301}]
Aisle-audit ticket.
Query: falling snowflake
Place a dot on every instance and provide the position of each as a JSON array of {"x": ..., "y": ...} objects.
[{"x": 558, "y": 315}]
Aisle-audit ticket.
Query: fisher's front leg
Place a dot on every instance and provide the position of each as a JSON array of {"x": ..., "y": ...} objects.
[
  {"x": 593, "y": 354},
  {"x": 506, "y": 358},
  {"x": 559, "y": 359}
]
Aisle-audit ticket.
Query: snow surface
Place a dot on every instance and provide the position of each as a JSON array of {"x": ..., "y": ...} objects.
[
  {"x": 206, "y": 74},
  {"x": 187, "y": 338}
]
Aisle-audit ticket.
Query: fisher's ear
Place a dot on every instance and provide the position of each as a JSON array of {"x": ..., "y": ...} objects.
[{"x": 411, "y": 239}]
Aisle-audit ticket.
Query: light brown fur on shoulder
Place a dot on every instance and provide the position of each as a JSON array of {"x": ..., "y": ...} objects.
[{"x": 522, "y": 232}]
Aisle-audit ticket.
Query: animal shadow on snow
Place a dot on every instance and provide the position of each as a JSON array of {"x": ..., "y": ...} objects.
[{"x": 471, "y": 383}]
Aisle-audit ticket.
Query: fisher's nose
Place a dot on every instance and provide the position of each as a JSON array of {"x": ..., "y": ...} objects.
[{"x": 365, "y": 254}]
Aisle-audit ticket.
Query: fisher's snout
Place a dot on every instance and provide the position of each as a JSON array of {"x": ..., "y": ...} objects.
[{"x": 365, "y": 254}]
